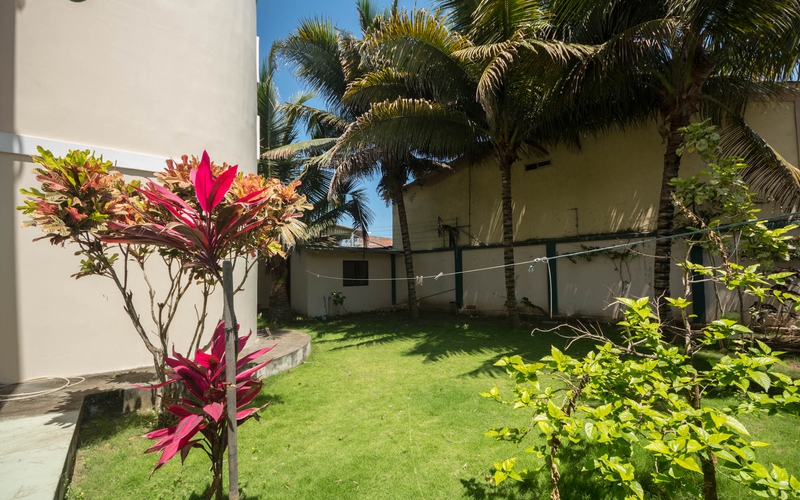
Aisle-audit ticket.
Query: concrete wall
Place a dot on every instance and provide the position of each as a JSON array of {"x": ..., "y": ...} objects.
[
  {"x": 433, "y": 294},
  {"x": 585, "y": 286},
  {"x": 309, "y": 292},
  {"x": 298, "y": 277},
  {"x": 137, "y": 85},
  {"x": 610, "y": 186}
]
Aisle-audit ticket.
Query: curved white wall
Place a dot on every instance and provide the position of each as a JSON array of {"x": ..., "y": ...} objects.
[{"x": 139, "y": 81}]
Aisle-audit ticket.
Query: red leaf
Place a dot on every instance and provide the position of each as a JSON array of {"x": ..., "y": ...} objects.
[
  {"x": 203, "y": 181},
  {"x": 222, "y": 185},
  {"x": 243, "y": 342},
  {"x": 160, "y": 433},
  {"x": 218, "y": 341},
  {"x": 252, "y": 196},
  {"x": 187, "y": 448},
  {"x": 250, "y": 371},
  {"x": 186, "y": 428},
  {"x": 165, "y": 198},
  {"x": 245, "y": 414},
  {"x": 214, "y": 410},
  {"x": 253, "y": 355},
  {"x": 181, "y": 411},
  {"x": 246, "y": 394},
  {"x": 205, "y": 360}
]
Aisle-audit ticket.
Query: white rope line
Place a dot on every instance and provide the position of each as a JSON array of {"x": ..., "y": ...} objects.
[{"x": 420, "y": 279}]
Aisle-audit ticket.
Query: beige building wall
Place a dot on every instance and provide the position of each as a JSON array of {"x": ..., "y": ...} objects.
[
  {"x": 610, "y": 186},
  {"x": 138, "y": 85},
  {"x": 298, "y": 279},
  {"x": 433, "y": 294},
  {"x": 310, "y": 293}
]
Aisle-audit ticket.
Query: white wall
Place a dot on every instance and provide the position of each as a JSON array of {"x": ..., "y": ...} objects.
[
  {"x": 139, "y": 83},
  {"x": 310, "y": 292}
]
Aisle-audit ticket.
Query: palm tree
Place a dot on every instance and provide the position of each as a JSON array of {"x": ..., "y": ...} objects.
[
  {"x": 279, "y": 128},
  {"x": 673, "y": 60},
  {"x": 472, "y": 84},
  {"x": 328, "y": 61}
]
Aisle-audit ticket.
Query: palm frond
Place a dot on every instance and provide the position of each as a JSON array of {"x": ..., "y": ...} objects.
[
  {"x": 314, "y": 117},
  {"x": 312, "y": 52},
  {"x": 361, "y": 163},
  {"x": 420, "y": 44},
  {"x": 497, "y": 20},
  {"x": 458, "y": 13},
  {"x": 378, "y": 85},
  {"x": 424, "y": 127},
  {"x": 767, "y": 172},
  {"x": 311, "y": 147}
]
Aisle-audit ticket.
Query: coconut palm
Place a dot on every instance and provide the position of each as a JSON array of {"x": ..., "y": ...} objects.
[
  {"x": 279, "y": 128},
  {"x": 328, "y": 61},
  {"x": 471, "y": 84},
  {"x": 674, "y": 60}
]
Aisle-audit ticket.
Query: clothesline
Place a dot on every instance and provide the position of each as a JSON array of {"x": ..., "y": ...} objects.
[{"x": 531, "y": 263}]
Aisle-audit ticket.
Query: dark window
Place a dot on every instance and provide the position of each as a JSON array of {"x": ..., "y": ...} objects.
[
  {"x": 538, "y": 164},
  {"x": 355, "y": 272}
]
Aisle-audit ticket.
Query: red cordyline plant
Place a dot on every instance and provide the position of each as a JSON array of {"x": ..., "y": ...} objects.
[{"x": 201, "y": 415}]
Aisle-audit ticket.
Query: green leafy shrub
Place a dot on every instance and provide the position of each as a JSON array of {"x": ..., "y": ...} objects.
[{"x": 643, "y": 393}]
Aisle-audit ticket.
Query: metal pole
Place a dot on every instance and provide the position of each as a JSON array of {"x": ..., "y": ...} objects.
[{"x": 231, "y": 356}]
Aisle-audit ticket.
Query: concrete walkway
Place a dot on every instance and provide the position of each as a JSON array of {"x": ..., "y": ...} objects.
[{"x": 39, "y": 436}]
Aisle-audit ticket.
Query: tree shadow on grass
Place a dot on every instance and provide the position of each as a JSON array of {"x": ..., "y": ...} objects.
[
  {"x": 264, "y": 398},
  {"x": 439, "y": 336},
  {"x": 480, "y": 489},
  {"x": 243, "y": 488}
]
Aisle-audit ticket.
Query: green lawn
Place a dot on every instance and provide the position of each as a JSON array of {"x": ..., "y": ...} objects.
[{"x": 383, "y": 409}]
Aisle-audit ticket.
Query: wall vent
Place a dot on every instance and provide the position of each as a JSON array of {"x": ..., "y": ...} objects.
[{"x": 538, "y": 164}]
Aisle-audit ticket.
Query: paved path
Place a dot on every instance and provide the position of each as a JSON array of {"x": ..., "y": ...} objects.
[{"x": 38, "y": 435}]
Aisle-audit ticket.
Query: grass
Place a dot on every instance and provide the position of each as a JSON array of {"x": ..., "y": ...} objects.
[{"x": 383, "y": 409}]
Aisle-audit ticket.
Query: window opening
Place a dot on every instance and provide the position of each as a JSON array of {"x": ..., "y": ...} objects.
[{"x": 355, "y": 273}]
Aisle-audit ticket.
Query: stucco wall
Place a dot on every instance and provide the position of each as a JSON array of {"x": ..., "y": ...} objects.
[
  {"x": 611, "y": 185},
  {"x": 310, "y": 292},
  {"x": 139, "y": 84},
  {"x": 433, "y": 294},
  {"x": 298, "y": 293},
  {"x": 582, "y": 286}
]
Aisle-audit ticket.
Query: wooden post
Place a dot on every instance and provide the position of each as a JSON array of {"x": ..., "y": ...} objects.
[{"x": 231, "y": 357}]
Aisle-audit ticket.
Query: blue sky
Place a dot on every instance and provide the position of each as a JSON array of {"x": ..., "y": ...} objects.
[{"x": 277, "y": 18}]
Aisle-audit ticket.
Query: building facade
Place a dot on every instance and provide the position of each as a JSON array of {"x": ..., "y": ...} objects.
[{"x": 569, "y": 201}]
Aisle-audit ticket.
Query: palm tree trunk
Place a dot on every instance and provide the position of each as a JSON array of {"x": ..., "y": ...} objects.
[
  {"x": 666, "y": 218},
  {"x": 401, "y": 216},
  {"x": 508, "y": 240}
]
